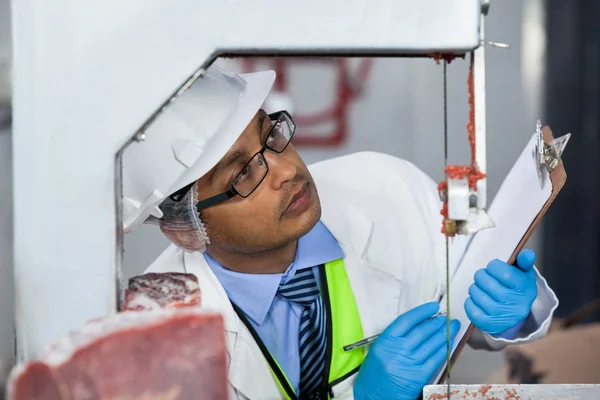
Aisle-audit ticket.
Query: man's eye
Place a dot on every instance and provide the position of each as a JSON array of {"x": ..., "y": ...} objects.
[{"x": 243, "y": 174}]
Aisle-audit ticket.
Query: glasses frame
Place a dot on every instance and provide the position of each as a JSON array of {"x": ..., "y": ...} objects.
[{"x": 230, "y": 193}]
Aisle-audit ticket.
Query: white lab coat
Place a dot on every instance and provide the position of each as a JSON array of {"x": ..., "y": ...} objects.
[{"x": 385, "y": 214}]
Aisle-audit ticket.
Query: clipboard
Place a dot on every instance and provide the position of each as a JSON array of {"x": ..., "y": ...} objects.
[{"x": 557, "y": 178}]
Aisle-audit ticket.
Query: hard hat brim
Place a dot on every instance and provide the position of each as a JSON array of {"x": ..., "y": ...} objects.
[{"x": 258, "y": 86}]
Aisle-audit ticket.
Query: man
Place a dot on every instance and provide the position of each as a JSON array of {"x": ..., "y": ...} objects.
[{"x": 302, "y": 262}]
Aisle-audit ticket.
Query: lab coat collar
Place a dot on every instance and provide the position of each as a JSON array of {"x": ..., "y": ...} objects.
[
  {"x": 244, "y": 359},
  {"x": 352, "y": 229},
  {"x": 213, "y": 295}
]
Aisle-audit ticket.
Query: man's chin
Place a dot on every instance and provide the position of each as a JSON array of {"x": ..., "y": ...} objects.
[{"x": 308, "y": 221}]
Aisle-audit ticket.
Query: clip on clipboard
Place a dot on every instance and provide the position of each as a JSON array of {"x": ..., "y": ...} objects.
[{"x": 517, "y": 209}]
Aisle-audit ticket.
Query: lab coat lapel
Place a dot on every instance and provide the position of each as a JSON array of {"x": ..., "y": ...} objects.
[
  {"x": 376, "y": 285},
  {"x": 248, "y": 369}
]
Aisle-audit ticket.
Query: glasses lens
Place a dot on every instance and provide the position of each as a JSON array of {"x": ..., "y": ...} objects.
[
  {"x": 281, "y": 134},
  {"x": 251, "y": 176}
]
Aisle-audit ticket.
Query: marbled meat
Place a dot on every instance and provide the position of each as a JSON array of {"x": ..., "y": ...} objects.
[{"x": 162, "y": 290}]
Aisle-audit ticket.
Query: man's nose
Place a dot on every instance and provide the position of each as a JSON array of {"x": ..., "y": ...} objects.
[{"x": 281, "y": 169}]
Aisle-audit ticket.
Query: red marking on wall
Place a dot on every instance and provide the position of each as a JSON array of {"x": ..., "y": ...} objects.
[{"x": 348, "y": 87}]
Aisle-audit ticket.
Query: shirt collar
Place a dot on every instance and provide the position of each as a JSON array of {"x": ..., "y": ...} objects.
[{"x": 254, "y": 293}]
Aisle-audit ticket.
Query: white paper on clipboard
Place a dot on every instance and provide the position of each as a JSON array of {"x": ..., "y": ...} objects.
[{"x": 515, "y": 207}]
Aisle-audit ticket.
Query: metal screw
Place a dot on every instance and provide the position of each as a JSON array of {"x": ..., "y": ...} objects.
[
  {"x": 140, "y": 137},
  {"x": 496, "y": 44}
]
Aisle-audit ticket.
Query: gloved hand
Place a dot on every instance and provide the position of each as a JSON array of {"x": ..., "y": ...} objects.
[
  {"x": 502, "y": 295},
  {"x": 405, "y": 356}
]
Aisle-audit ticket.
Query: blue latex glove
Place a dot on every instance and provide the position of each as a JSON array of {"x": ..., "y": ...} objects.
[
  {"x": 502, "y": 295},
  {"x": 405, "y": 356}
]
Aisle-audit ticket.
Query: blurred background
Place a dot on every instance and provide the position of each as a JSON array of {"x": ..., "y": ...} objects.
[{"x": 551, "y": 72}]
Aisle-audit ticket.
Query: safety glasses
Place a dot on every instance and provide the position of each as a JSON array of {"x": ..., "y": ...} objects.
[{"x": 254, "y": 171}]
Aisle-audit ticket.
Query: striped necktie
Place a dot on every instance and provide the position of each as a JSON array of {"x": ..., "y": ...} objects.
[{"x": 303, "y": 289}]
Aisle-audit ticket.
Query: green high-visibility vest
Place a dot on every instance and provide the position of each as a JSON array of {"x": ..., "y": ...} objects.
[{"x": 343, "y": 328}]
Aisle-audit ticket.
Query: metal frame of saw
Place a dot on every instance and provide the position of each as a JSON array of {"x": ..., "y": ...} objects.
[{"x": 77, "y": 107}]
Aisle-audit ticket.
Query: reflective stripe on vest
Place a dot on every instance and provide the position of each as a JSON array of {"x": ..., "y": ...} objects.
[{"x": 343, "y": 328}]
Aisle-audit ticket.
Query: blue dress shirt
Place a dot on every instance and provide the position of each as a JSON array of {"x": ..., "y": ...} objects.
[{"x": 275, "y": 319}]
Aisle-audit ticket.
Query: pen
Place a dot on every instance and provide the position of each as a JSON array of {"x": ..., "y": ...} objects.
[{"x": 371, "y": 339}]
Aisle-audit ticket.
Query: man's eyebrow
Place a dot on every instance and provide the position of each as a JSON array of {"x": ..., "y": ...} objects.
[
  {"x": 235, "y": 155},
  {"x": 260, "y": 123}
]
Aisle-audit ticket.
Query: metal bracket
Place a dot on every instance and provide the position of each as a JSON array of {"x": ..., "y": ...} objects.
[
  {"x": 553, "y": 151},
  {"x": 548, "y": 154}
]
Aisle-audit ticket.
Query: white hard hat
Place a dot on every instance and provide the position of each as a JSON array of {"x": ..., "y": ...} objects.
[{"x": 189, "y": 138}]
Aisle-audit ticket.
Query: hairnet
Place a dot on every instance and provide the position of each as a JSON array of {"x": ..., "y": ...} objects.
[{"x": 181, "y": 222}]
